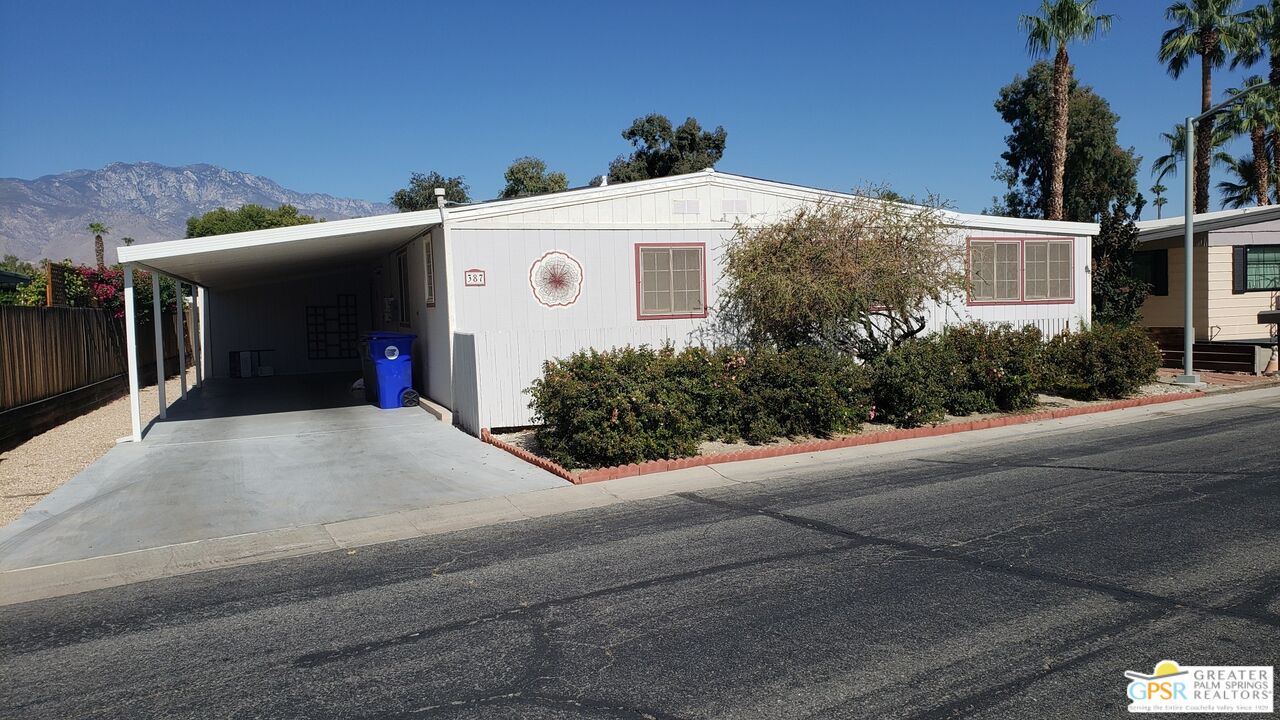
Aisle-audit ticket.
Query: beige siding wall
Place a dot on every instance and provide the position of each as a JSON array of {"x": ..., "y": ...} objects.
[
  {"x": 1233, "y": 317},
  {"x": 1166, "y": 310}
]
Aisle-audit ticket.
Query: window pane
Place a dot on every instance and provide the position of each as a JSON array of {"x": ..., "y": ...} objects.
[
  {"x": 1262, "y": 267},
  {"x": 671, "y": 280},
  {"x": 1007, "y": 270},
  {"x": 982, "y": 270}
]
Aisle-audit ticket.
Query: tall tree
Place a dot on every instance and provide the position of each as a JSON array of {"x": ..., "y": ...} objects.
[
  {"x": 1060, "y": 23},
  {"x": 662, "y": 150},
  {"x": 1097, "y": 170},
  {"x": 248, "y": 217},
  {"x": 1159, "y": 190},
  {"x": 1263, "y": 39},
  {"x": 1117, "y": 294},
  {"x": 1211, "y": 30},
  {"x": 1241, "y": 187},
  {"x": 99, "y": 247},
  {"x": 1253, "y": 116},
  {"x": 529, "y": 176},
  {"x": 1176, "y": 140},
  {"x": 421, "y": 195}
]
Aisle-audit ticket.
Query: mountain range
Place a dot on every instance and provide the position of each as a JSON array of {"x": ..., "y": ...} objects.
[{"x": 48, "y": 217}]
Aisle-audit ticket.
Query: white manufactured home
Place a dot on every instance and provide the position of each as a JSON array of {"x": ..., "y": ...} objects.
[{"x": 494, "y": 289}]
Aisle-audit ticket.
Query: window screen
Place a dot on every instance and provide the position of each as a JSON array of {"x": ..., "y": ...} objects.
[
  {"x": 1048, "y": 270},
  {"x": 671, "y": 281},
  {"x": 429, "y": 271},
  {"x": 993, "y": 271},
  {"x": 1262, "y": 267}
]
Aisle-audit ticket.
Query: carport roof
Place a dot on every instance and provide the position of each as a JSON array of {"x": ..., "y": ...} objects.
[{"x": 249, "y": 258}]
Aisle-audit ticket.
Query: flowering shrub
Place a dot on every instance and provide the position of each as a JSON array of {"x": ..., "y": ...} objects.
[
  {"x": 991, "y": 367},
  {"x": 90, "y": 286}
]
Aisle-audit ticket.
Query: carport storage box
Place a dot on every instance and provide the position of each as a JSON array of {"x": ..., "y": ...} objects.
[{"x": 388, "y": 369}]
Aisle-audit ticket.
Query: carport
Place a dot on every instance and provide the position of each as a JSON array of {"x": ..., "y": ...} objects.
[{"x": 261, "y": 282}]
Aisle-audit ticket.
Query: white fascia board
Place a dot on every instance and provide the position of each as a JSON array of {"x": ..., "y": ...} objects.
[
  {"x": 295, "y": 233},
  {"x": 490, "y": 211},
  {"x": 1149, "y": 230}
]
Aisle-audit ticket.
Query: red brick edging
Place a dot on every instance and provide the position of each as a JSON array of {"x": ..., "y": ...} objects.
[{"x": 579, "y": 477}]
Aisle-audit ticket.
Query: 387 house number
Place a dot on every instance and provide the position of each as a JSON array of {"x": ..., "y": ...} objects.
[{"x": 473, "y": 278}]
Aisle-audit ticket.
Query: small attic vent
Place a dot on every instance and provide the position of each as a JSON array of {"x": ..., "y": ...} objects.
[
  {"x": 685, "y": 207},
  {"x": 735, "y": 206}
]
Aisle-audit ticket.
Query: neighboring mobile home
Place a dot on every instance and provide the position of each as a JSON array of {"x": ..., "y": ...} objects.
[
  {"x": 1236, "y": 273},
  {"x": 495, "y": 289}
]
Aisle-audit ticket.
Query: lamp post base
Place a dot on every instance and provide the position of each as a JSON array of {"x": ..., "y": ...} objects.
[{"x": 1192, "y": 380}]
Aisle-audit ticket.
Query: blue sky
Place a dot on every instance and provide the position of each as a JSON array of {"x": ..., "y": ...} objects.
[{"x": 349, "y": 98}]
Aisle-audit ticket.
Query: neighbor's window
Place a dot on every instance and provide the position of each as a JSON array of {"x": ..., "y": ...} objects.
[
  {"x": 671, "y": 281},
  {"x": 429, "y": 271},
  {"x": 1048, "y": 270},
  {"x": 402, "y": 273},
  {"x": 1152, "y": 268},
  {"x": 993, "y": 271},
  {"x": 1262, "y": 267}
]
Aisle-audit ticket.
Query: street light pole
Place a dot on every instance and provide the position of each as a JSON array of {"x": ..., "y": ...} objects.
[{"x": 1188, "y": 376}]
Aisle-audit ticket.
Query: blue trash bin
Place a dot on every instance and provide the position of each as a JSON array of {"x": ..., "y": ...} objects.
[{"x": 387, "y": 359}]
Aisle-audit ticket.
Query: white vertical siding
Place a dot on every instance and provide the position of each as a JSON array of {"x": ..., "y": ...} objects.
[{"x": 514, "y": 334}]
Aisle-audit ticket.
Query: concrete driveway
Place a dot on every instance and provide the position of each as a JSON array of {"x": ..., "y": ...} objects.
[{"x": 244, "y": 456}]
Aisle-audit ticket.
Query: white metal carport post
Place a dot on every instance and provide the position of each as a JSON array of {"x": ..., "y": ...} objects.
[
  {"x": 181, "y": 334},
  {"x": 131, "y": 353},
  {"x": 158, "y": 324},
  {"x": 197, "y": 342}
]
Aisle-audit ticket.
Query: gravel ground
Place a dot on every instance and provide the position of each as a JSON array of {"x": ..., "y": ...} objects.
[{"x": 43, "y": 463}]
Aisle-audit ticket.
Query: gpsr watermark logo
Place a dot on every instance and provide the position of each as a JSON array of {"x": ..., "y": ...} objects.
[{"x": 1202, "y": 688}]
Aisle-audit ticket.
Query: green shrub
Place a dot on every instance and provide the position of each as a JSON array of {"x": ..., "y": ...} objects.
[
  {"x": 909, "y": 383},
  {"x": 612, "y": 408},
  {"x": 1104, "y": 361},
  {"x": 801, "y": 391},
  {"x": 990, "y": 367},
  {"x": 635, "y": 404}
]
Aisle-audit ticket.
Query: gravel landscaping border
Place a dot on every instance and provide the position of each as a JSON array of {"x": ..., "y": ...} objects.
[{"x": 716, "y": 453}]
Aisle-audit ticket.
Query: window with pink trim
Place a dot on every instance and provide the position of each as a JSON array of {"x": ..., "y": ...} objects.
[
  {"x": 671, "y": 281},
  {"x": 1021, "y": 270}
]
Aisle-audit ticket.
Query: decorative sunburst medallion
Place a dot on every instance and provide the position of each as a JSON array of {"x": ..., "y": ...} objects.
[{"x": 556, "y": 279}]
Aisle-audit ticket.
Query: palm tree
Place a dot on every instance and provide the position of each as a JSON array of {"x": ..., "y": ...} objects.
[
  {"x": 1239, "y": 192},
  {"x": 1263, "y": 38},
  {"x": 1060, "y": 23},
  {"x": 1210, "y": 30},
  {"x": 1253, "y": 116},
  {"x": 1159, "y": 190},
  {"x": 98, "y": 230},
  {"x": 1167, "y": 164}
]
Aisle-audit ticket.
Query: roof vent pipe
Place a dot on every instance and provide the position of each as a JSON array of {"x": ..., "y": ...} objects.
[
  {"x": 440, "y": 201},
  {"x": 604, "y": 179}
]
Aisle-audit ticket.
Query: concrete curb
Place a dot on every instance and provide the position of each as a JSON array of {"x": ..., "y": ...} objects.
[{"x": 579, "y": 477}]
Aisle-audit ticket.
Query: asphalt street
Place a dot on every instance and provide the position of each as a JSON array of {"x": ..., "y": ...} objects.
[{"x": 1011, "y": 581}]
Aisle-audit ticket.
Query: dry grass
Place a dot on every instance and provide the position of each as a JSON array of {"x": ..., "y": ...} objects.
[{"x": 42, "y": 464}]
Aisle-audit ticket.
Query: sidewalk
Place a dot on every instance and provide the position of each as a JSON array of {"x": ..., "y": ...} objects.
[{"x": 32, "y": 583}]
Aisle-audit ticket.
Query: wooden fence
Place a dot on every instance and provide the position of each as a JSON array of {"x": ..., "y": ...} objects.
[{"x": 59, "y": 362}]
